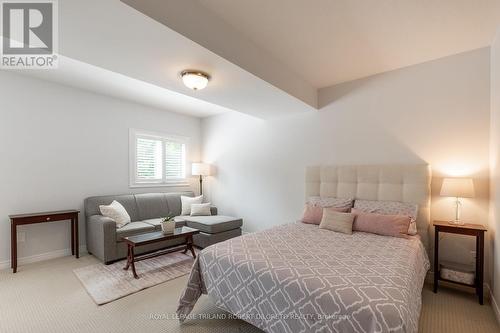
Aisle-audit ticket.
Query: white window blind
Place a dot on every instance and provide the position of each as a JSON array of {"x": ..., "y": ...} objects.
[
  {"x": 175, "y": 156},
  {"x": 157, "y": 159},
  {"x": 149, "y": 162}
]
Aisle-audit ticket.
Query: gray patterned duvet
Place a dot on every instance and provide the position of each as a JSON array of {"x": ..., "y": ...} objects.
[{"x": 299, "y": 278}]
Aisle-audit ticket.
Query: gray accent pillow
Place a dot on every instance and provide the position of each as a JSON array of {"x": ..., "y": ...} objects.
[{"x": 340, "y": 203}]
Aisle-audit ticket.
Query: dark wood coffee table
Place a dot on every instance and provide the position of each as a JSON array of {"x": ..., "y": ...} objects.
[{"x": 155, "y": 237}]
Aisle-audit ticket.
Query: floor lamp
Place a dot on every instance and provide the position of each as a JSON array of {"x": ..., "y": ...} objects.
[{"x": 200, "y": 169}]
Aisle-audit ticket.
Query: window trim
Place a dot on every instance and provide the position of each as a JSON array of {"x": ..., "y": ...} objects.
[{"x": 133, "y": 135}]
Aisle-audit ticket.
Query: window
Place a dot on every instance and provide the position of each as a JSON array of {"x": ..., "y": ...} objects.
[{"x": 157, "y": 159}]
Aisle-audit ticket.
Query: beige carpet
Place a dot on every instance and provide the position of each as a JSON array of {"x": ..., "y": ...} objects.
[
  {"x": 451, "y": 310},
  {"x": 48, "y": 297},
  {"x": 107, "y": 283}
]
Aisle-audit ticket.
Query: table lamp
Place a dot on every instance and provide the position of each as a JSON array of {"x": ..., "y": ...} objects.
[
  {"x": 458, "y": 188},
  {"x": 200, "y": 169}
]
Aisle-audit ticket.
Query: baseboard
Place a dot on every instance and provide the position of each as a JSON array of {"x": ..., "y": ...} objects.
[
  {"x": 42, "y": 257},
  {"x": 495, "y": 307}
]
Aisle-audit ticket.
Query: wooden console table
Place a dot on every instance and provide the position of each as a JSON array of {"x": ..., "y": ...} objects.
[{"x": 44, "y": 217}]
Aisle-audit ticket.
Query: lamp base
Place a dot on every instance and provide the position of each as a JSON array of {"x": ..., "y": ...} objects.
[{"x": 456, "y": 222}]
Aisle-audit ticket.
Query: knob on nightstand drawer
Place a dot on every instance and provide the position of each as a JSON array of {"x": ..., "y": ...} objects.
[{"x": 47, "y": 219}]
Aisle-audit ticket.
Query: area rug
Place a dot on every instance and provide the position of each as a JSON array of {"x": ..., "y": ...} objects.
[{"x": 107, "y": 283}]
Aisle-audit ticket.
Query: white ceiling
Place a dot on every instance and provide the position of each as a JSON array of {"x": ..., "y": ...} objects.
[
  {"x": 81, "y": 75},
  {"x": 266, "y": 58},
  {"x": 110, "y": 48},
  {"x": 113, "y": 36},
  {"x": 332, "y": 41},
  {"x": 193, "y": 21}
]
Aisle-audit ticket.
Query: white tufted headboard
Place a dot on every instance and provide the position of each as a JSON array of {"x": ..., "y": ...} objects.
[{"x": 406, "y": 183}]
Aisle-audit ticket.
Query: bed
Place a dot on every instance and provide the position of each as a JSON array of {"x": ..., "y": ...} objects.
[{"x": 299, "y": 278}]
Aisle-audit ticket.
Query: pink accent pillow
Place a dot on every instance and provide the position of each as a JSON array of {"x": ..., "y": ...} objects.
[
  {"x": 314, "y": 213},
  {"x": 390, "y": 208},
  {"x": 380, "y": 224}
]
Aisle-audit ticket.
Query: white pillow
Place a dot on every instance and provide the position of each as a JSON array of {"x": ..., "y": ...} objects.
[
  {"x": 116, "y": 212},
  {"x": 188, "y": 201},
  {"x": 201, "y": 209}
]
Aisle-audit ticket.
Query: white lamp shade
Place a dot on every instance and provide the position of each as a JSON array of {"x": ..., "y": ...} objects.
[
  {"x": 457, "y": 187},
  {"x": 200, "y": 169}
]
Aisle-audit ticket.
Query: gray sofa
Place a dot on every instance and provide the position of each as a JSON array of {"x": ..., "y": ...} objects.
[{"x": 146, "y": 210}]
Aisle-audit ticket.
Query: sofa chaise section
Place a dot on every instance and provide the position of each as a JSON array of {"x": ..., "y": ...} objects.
[{"x": 214, "y": 229}]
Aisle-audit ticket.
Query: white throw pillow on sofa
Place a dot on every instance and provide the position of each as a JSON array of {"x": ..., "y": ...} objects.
[
  {"x": 201, "y": 209},
  {"x": 116, "y": 212},
  {"x": 188, "y": 201}
]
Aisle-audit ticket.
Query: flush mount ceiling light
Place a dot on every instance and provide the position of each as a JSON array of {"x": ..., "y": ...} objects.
[{"x": 195, "y": 80}]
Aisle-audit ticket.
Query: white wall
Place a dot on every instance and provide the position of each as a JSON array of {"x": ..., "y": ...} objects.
[
  {"x": 495, "y": 169},
  {"x": 436, "y": 113},
  {"x": 59, "y": 145}
]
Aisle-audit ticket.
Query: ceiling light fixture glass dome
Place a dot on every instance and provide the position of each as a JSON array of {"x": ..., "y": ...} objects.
[{"x": 195, "y": 80}]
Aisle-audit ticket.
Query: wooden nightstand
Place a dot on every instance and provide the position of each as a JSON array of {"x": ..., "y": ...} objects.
[{"x": 476, "y": 230}]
